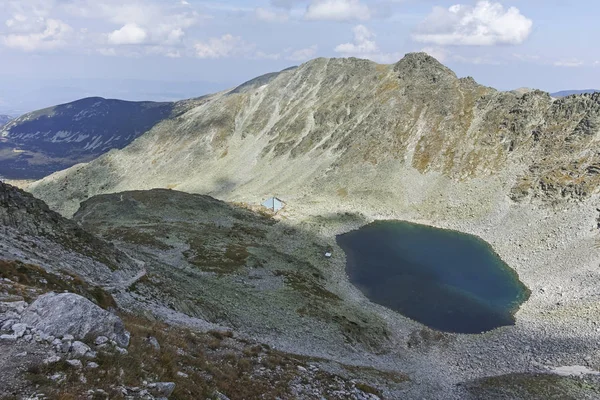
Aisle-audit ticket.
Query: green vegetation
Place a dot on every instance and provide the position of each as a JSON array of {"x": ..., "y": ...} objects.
[{"x": 26, "y": 275}]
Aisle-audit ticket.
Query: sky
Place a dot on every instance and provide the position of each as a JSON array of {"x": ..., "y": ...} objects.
[{"x": 54, "y": 51}]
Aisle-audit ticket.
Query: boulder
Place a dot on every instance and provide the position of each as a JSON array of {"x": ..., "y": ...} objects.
[
  {"x": 154, "y": 343},
  {"x": 161, "y": 389},
  {"x": 19, "y": 330},
  {"x": 101, "y": 340},
  {"x": 75, "y": 364},
  {"x": 70, "y": 314},
  {"x": 79, "y": 349}
]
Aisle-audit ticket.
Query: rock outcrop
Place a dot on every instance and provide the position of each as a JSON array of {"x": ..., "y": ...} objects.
[{"x": 69, "y": 314}]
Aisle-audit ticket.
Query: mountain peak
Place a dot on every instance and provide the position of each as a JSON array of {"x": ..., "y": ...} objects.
[{"x": 422, "y": 64}]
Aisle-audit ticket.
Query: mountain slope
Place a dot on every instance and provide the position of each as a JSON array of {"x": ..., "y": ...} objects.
[
  {"x": 565, "y": 93},
  {"x": 31, "y": 232},
  {"x": 4, "y": 119},
  {"x": 39, "y": 143},
  {"x": 197, "y": 250},
  {"x": 355, "y": 127}
]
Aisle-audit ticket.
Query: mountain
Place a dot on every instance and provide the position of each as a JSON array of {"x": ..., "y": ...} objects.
[
  {"x": 4, "y": 119},
  {"x": 376, "y": 132},
  {"x": 30, "y": 231},
  {"x": 20, "y": 95},
  {"x": 344, "y": 142},
  {"x": 565, "y": 93},
  {"x": 39, "y": 143}
]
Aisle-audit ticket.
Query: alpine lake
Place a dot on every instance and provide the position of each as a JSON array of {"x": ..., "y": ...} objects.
[{"x": 446, "y": 280}]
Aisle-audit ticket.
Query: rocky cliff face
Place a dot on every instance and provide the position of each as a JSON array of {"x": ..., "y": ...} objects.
[
  {"x": 39, "y": 143},
  {"x": 335, "y": 125}
]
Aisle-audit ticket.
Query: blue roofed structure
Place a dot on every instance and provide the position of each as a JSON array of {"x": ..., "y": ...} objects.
[{"x": 274, "y": 204}]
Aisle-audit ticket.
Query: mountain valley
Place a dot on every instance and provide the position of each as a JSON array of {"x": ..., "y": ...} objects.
[{"x": 169, "y": 223}]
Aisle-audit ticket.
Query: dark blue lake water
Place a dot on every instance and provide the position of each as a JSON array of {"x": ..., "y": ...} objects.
[{"x": 447, "y": 280}]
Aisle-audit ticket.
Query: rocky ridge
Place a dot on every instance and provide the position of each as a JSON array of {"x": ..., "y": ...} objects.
[{"x": 336, "y": 124}]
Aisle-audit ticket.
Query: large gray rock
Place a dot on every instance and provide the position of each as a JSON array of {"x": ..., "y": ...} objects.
[
  {"x": 162, "y": 389},
  {"x": 70, "y": 314}
]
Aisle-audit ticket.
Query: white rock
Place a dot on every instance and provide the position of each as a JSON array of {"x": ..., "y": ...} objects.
[
  {"x": 154, "y": 343},
  {"x": 79, "y": 349},
  {"x": 51, "y": 360},
  {"x": 7, "y": 325},
  {"x": 100, "y": 340},
  {"x": 14, "y": 306},
  {"x": 64, "y": 346},
  {"x": 182, "y": 374},
  {"x": 92, "y": 365},
  {"x": 8, "y": 338},
  {"x": 162, "y": 389},
  {"x": 75, "y": 364},
  {"x": 19, "y": 330},
  {"x": 58, "y": 377},
  {"x": 69, "y": 338},
  {"x": 70, "y": 314}
]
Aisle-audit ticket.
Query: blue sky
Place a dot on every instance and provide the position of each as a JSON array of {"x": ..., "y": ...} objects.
[{"x": 58, "y": 50}]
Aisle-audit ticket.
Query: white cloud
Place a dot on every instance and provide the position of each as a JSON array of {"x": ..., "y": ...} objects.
[
  {"x": 479, "y": 60},
  {"x": 364, "y": 46},
  {"x": 337, "y": 10},
  {"x": 128, "y": 34},
  {"x": 40, "y": 34},
  {"x": 572, "y": 63},
  {"x": 261, "y": 55},
  {"x": 225, "y": 46},
  {"x": 484, "y": 24},
  {"x": 303, "y": 54},
  {"x": 364, "y": 43},
  {"x": 107, "y": 51},
  {"x": 267, "y": 15},
  {"x": 287, "y": 4},
  {"x": 526, "y": 57},
  {"x": 122, "y": 27}
]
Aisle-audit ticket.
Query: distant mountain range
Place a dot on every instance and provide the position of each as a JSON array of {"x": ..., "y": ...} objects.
[
  {"x": 20, "y": 96},
  {"x": 565, "y": 93},
  {"x": 4, "y": 120},
  {"x": 42, "y": 142}
]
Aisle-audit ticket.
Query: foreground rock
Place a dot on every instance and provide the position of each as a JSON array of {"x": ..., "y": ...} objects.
[{"x": 69, "y": 314}]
